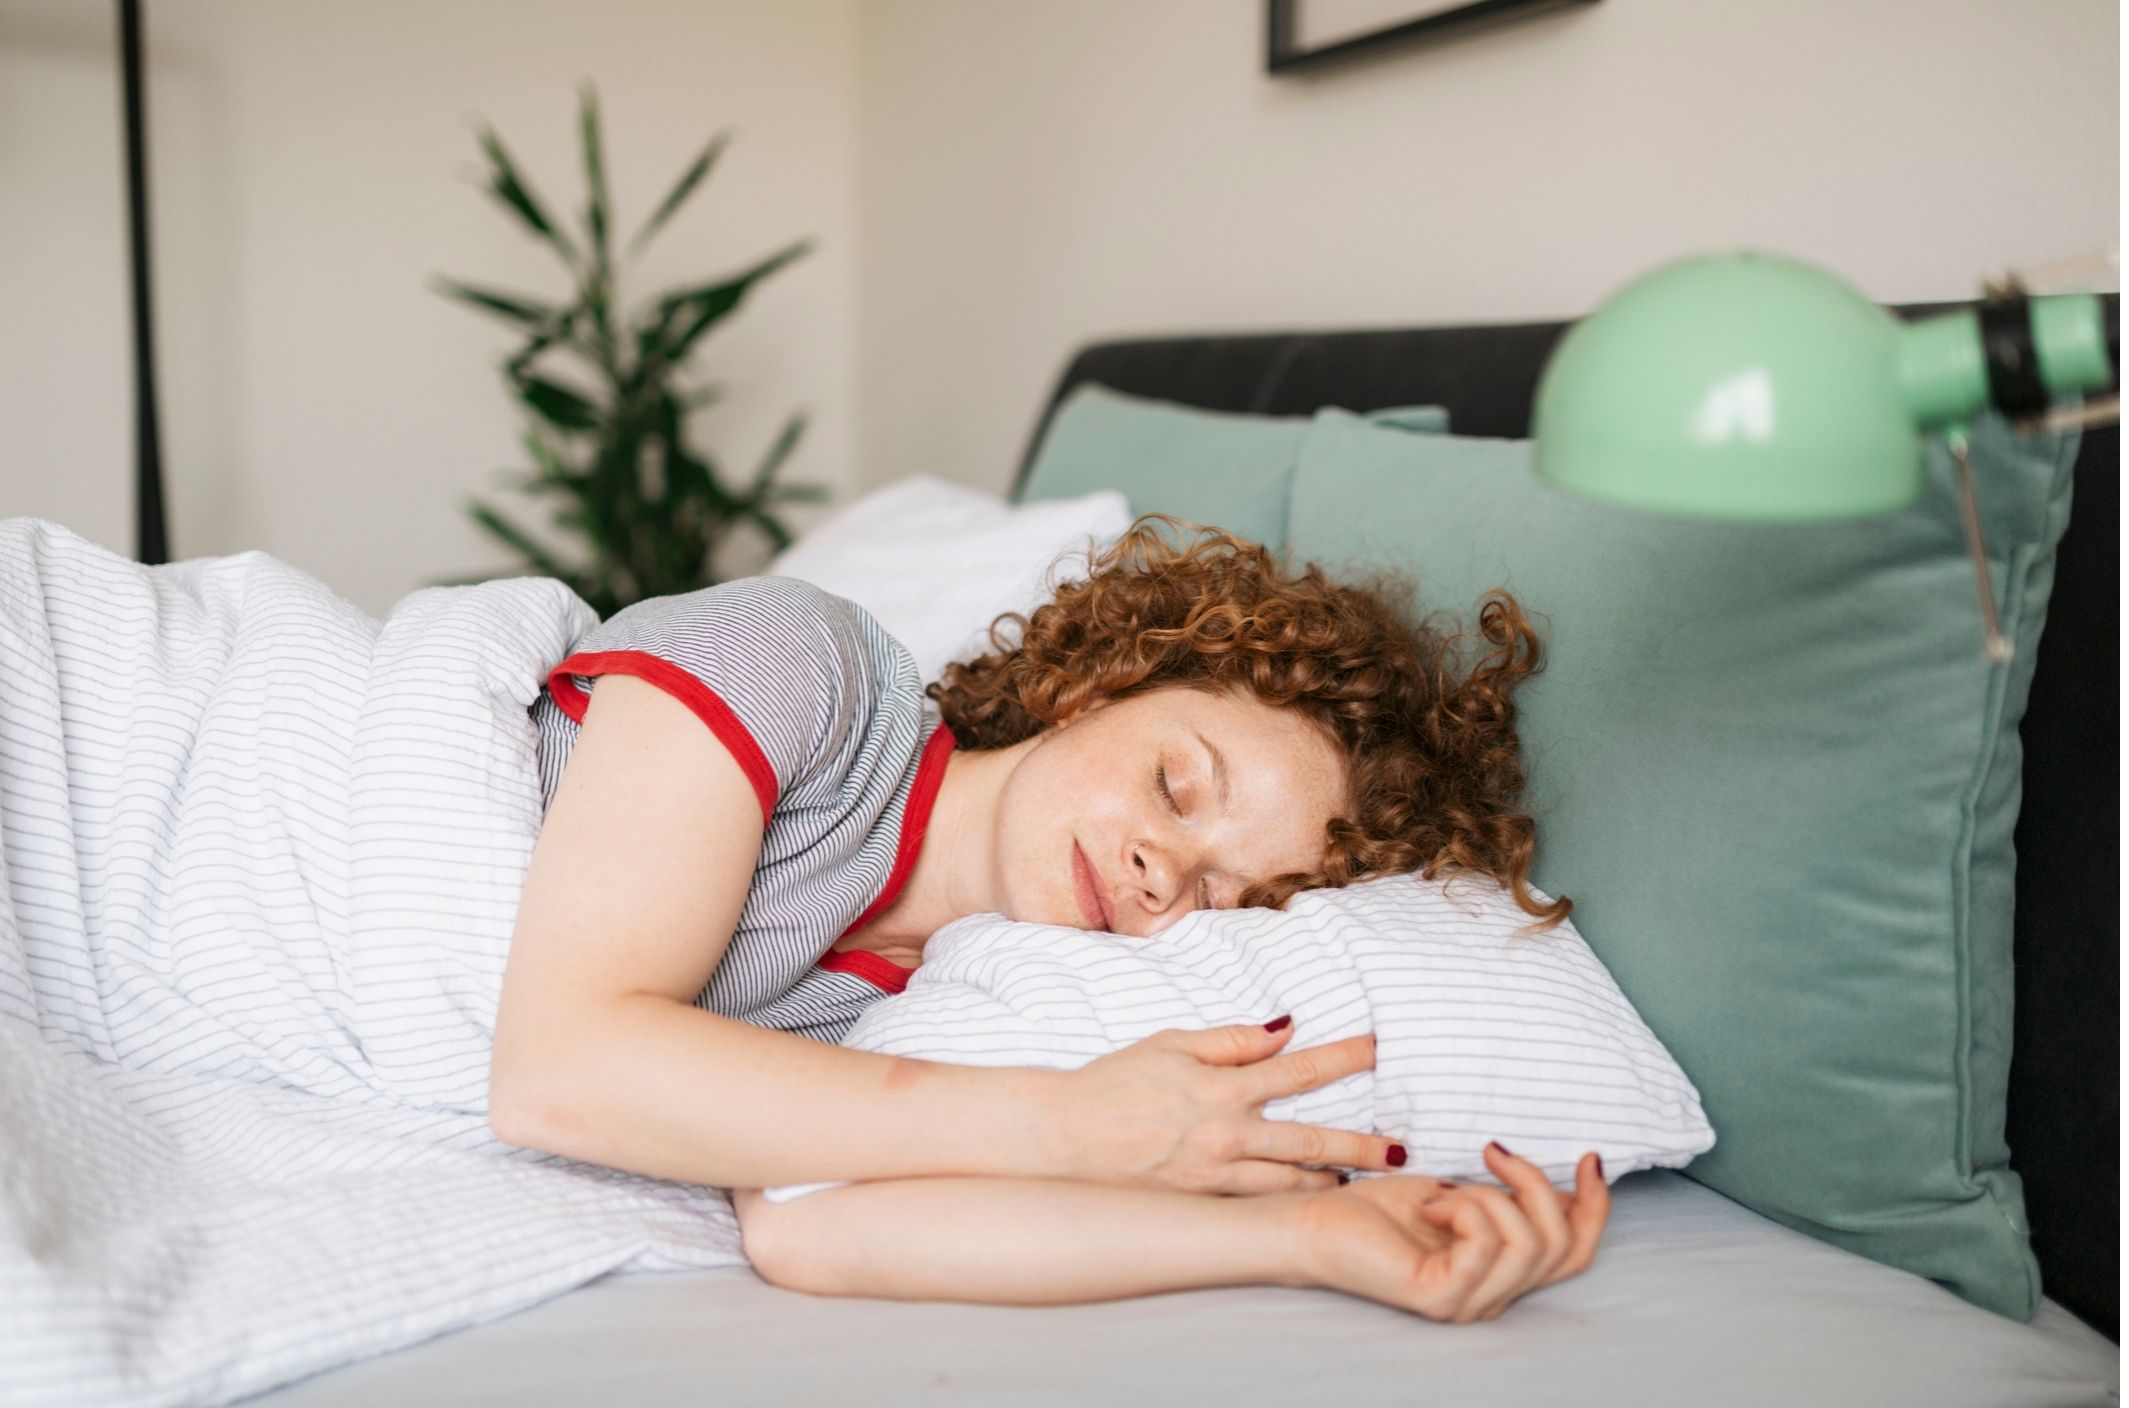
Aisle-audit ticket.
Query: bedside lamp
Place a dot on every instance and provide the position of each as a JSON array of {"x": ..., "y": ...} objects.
[{"x": 1752, "y": 386}]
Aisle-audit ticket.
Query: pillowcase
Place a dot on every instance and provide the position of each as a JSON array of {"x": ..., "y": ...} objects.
[
  {"x": 1481, "y": 1033},
  {"x": 1218, "y": 468},
  {"x": 1778, "y": 779},
  {"x": 935, "y": 562}
]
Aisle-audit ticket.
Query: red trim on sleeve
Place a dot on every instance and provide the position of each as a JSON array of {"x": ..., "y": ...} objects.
[
  {"x": 682, "y": 686},
  {"x": 881, "y": 972}
]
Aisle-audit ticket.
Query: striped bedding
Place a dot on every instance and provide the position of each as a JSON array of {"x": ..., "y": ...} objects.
[
  {"x": 1480, "y": 1033},
  {"x": 260, "y": 856}
]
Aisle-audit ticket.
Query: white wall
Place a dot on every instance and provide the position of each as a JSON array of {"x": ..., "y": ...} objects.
[
  {"x": 309, "y": 167},
  {"x": 1036, "y": 175},
  {"x": 991, "y": 182}
]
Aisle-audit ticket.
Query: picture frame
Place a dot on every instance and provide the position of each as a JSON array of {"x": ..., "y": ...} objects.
[{"x": 1308, "y": 34}]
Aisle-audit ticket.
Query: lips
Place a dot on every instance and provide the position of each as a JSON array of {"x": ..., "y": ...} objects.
[{"x": 1092, "y": 906}]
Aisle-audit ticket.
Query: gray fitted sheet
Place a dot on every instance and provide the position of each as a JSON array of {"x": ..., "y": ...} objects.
[{"x": 1694, "y": 1299}]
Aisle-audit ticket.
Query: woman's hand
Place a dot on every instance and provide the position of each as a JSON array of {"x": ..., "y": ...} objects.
[
  {"x": 1455, "y": 1252},
  {"x": 1178, "y": 1110}
]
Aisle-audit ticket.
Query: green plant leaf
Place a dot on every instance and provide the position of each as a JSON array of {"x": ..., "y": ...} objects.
[
  {"x": 665, "y": 417},
  {"x": 522, "y": 311},
  {"x": 595, "y": 205},
  {"x": 797, "y": 494},
  {"x": 696, "y": 310},
  {"x": 557, "y": 404},
  {"x": 561, "y": 332},
  {"x": 515, "y": 536},
  {"x": 507, "y": 186},
  {"x": 730, "y": 289},
  {"x": 682, "y": 188},
  {"x": 697, "y": 478},
  {"x": 775, "y": 530},
  {"x": 785, "y": 443},
  {"x": 551, "y": 467}
]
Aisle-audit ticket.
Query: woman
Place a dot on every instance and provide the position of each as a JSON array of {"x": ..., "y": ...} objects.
[{"x": 1185, "y": 727}]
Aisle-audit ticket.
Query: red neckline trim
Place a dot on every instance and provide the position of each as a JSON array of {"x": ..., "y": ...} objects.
[
  {"x": 881, "y": 971},
  {"x": 877, "y": 969}
]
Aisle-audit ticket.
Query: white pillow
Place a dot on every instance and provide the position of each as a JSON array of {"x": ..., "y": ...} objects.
[
  {"x": 1478, "y": 1035},
  {"x": 935, "y": 562}
]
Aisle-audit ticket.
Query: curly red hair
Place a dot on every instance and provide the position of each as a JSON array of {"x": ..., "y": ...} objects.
[{"x": 1432, "y": 761}]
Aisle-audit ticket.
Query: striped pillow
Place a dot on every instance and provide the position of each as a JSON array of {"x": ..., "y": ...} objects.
[{"x": 1482, "y": 1032}]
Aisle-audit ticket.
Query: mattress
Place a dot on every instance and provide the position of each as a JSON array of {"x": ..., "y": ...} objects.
[{"x": 1693, "y": 1299}]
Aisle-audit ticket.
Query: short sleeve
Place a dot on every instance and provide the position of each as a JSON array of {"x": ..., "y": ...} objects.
[{"x": 774, "y": 666}]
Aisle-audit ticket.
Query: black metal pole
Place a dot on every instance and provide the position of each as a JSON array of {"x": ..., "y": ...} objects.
[{"x": 153, "y": 542}]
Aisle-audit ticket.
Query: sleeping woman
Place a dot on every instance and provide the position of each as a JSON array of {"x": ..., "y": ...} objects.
[{"x": 707, "y": 909}]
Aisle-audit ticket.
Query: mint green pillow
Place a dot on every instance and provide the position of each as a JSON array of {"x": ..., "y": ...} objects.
[
  {"x": 1771, "y": 768},
  {"x": 1218, "y": 468}
]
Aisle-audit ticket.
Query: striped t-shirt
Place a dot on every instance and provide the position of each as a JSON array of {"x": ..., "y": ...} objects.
[{"x": 826, "y": 715}]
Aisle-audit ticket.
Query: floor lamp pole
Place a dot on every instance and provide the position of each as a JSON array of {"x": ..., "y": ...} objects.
[{"x": 152, "y": 540}]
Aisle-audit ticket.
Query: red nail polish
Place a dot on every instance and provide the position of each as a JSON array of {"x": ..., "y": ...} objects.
[
  {"x": 1343, "y": 1180},
  {"x": 1501, "y": 1148},
  {"x": 1600, "y": 1164},
  {"x": 1397, "y": 1156},
  {"x": 1277, "y": 1024}
]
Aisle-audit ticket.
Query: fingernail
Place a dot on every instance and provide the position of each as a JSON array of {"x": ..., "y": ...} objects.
[
  {"x": 1600, "y": 1164},
  {"x": 1501, "y": 1148},
  {"x": 1278, "y": 1023},
  {"x": 1343, "y": 1179},
  {"x": 1397, "y": 1156},
  {"x": 1445, "y": 1183}
]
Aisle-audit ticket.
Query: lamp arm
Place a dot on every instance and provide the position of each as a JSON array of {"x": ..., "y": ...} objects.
[{"x": 2014, "y": 354}]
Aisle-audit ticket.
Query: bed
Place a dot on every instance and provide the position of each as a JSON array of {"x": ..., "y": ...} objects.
[{"x": 1695, "y": 1298}]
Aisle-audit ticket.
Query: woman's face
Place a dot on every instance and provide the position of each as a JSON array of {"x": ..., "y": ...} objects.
[{"x": 1254, "y": 789}]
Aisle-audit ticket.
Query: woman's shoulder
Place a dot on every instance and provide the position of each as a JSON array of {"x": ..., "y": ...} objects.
[{"x": 788, "y": 627}]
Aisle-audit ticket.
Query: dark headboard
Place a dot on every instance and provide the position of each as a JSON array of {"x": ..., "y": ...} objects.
[{"x": 2064, "y": 1115}]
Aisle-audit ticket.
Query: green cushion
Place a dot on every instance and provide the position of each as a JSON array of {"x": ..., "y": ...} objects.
[
  {"x": 1772, "y": 769},
  {"x": 1217, "y": 468}
]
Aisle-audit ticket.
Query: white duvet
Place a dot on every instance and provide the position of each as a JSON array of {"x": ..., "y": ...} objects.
[{"x": 260, "y": 856}]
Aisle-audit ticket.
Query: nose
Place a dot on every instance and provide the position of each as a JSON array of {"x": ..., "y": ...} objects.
[{"x": 1158, "y": 874}]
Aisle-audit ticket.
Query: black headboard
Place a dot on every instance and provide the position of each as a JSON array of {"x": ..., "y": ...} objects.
[{"x": 2064, "y": 1114}]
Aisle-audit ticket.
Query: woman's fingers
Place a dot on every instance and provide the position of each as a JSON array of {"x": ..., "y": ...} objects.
[
  {"x": 1518, "y": 1250},
  {"x": 1469, "y": 1219},
  {"x": 1541, "y": 1204},
  {"x": 1292, "y": 1143},
  {"x": 1586, "y": 1216},
  {"x": 1249, "y": 1176},
  {"x": 1287, "y": 1142},
  {"x": 1535, "y": 1233},
  {"x": 1539, "y": 1241},
  {"x": 1296, "y": 1071},
  {"x": 1471, "y": 1255}
]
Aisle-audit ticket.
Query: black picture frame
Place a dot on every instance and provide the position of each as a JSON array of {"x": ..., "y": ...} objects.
[{"x": 1283, "y": 54}]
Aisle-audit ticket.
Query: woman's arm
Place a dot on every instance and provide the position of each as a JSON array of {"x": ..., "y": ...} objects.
[
  {"x": 1445, "y": 1251},
  {"x": 1019, "y": 1241},
  {"x": 636, "y": 883}
]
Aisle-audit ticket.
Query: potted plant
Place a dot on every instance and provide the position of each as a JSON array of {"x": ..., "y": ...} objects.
[{"x": 612, "y": 442}]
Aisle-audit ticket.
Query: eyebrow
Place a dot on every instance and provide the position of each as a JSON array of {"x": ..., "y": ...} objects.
[{"x": 1219, "y": 766}]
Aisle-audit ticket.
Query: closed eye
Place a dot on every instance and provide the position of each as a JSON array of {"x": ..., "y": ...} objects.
[{"x": 1160, "y": 780}]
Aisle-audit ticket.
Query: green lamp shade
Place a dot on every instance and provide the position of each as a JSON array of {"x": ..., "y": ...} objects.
[{"x": 1735, "y": 385}]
